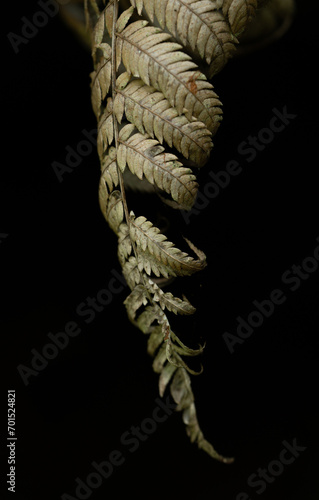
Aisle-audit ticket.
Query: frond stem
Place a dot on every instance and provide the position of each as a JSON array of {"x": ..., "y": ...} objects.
[{"x": 115, "y": 124}]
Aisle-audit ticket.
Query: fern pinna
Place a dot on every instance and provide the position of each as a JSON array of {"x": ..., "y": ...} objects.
[{"x": 151, "y": 100}]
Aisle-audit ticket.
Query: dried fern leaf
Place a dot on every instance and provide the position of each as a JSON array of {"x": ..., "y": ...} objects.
[
  {"x": 166, "y": 374},
  {"x": 151, "y": 261},
  {"x": 184, "y": 350},
  {"x": 146, "y": 158},
  {"x": 197, "y": 24},
  {"x": 168, "y": 301},
  {"x": 146, "y": 54},
  {"x": 195, "y": 434},
  {"x": 146, "y": 319},
  {"x": 148, "y": 237},
  {"x": 105, "y": 133},
  {"x": 180, "y": 391},
  {"x": 182, "y": 394},
  {"x": 135, "y": 300},
  {"x": 176, "y": 360},
  {"x": 151, "y": 112},
  {"x": 158, "y": 88},
  {"x": 130, "y": 270},
  {"x": 156, "y": 254},
  {"x": 123, "y": 19},
  {"x": 115, "y": 211},
  {"x": 104, "y": 25},
  {"x": 160, "y": 359},
  {"x": 124, "y": 243},
  {"x": 108, "y": 180},
  {"x": 155, "y": 339},
  {"x": 101, "y": 81},
  {"x": 109, "y": 173},
  {"x": 150, "y": 264},
  {"x": 144, "y": 262}
]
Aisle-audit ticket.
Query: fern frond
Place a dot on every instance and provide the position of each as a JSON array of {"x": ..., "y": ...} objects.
[
  {"x": 101, "y": 80},
  {"x": 148, "y": 93},
  {"x": 135, "y": 300},
  {"x": 182, "y": 394},
  {"x": 108, "y": 180},
  {"x": 151, "y": 314},
  {"x": 148, "y": 237},
  {"x": 168, "y": 301},
  {"x": 147, "y": 54},
  {"x": 115, "y": 210},
  {"x": 155, "y": 253},
  {"x": 145, "y": 261},
  {"x": 151, "y": 113},
  {"x": 165, "y": 377},
  {"x": 105, "y": 135},
  {"x": 146, "y": 158},
  {"x": 198, "y": 24}
]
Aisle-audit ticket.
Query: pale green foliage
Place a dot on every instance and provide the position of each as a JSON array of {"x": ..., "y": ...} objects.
[
  {"x": 149, "y": 94},
  {"x": 152, "y": 114},
  {"x": 210, "y": 35}
]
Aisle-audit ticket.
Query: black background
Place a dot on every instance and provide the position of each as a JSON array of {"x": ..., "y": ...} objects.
[{"x": 59, "y": 250}]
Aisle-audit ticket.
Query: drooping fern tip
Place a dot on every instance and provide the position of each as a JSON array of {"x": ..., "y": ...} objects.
[{"x": 157, "y": 113}]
